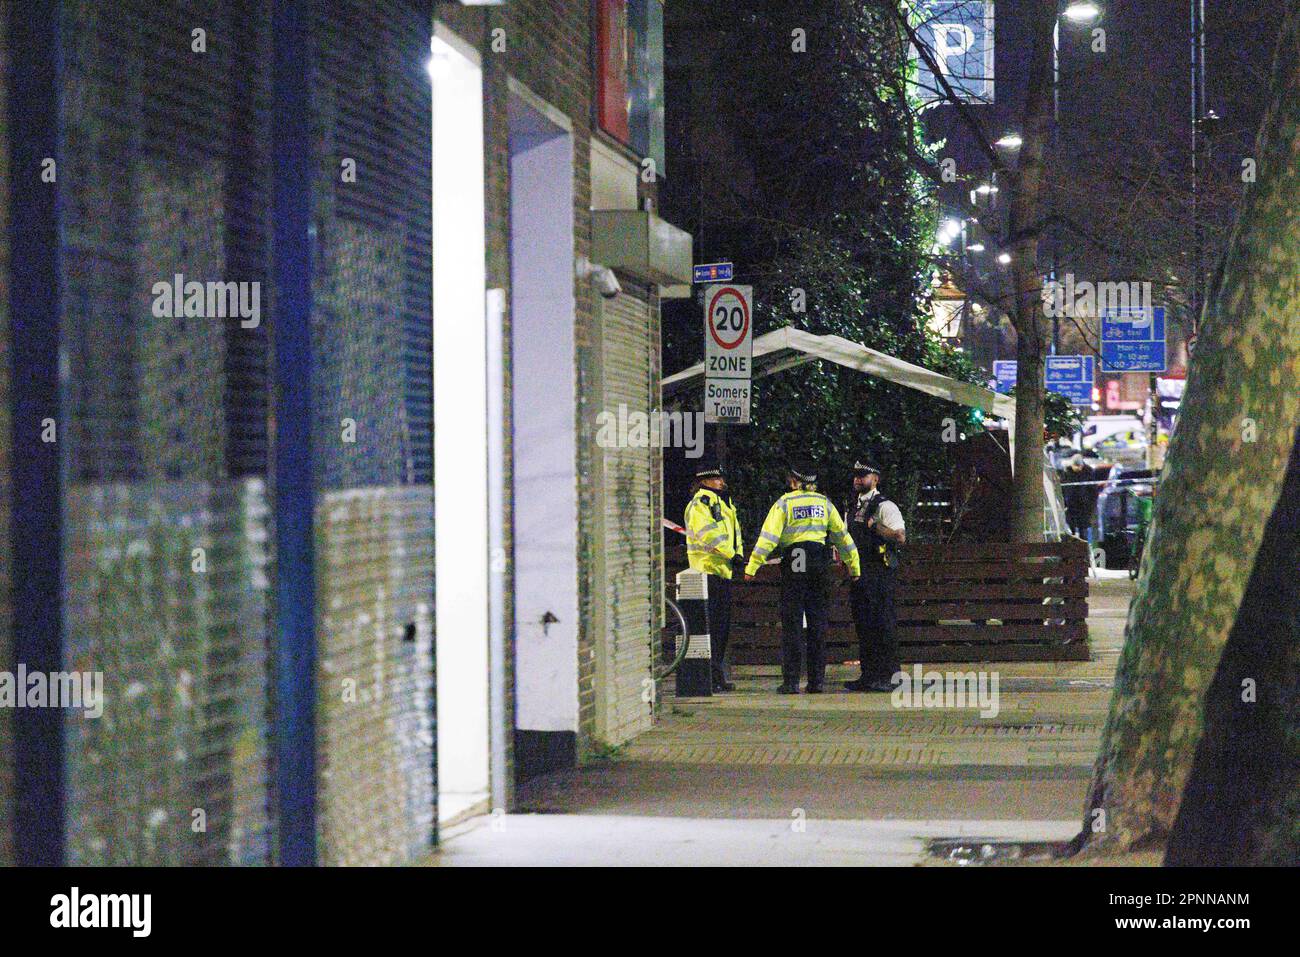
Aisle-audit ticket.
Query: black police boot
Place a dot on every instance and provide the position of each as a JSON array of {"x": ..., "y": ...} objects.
[
  {"x": 787, "y": 689},
  {"x": 720, "y": 685},
  {"x": 813, "y": 689}
]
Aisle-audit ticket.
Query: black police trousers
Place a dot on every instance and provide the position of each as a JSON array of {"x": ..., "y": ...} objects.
[
  {"x": 804, "y": 593},
  {"x": 874, "y": 622},
  {"x": 719, "y": 624}
]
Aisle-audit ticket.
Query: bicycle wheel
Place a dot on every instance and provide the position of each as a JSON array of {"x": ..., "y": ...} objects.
[{"x": 683, "y": 641}]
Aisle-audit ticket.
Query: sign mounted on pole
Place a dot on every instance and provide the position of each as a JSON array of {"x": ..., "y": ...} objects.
[
  {"x": 958, "y": 36},
  {"x": 713, "y": 272},
  {"x": 728, "y": 353},
  {"x": 1004, "y": 375},
  {"x": 1133, "y": 340},
  {"x": 1072, "y": 377}
]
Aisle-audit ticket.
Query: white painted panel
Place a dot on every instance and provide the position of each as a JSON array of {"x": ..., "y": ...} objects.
[
  {"x": 545, "y": 450},
  {"x": 460, "y": 428}
]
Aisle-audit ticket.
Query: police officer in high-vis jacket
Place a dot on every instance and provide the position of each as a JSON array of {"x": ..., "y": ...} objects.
[
  {"x": 714, "y": 547},
  {"x": 802, "y": 526},
  {"x": 877, "y": 528}
]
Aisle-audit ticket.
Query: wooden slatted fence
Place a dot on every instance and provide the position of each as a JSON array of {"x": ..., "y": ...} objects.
[{"x": 957, "y": 603}]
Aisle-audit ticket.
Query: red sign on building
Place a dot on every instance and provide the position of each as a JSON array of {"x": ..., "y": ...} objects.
[{"x": 612, "y": 50}]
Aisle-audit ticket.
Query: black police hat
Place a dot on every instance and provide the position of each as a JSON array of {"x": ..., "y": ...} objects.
[
  {"x": 863, "y": 466},
  {"x": 803, "y": 471},
  {"x": 709, "y": 473}
]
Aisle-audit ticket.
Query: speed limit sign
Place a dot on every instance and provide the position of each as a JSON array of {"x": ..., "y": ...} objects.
[
  {"x": 728, "y": 352},
  {"x": 729, "y": 331}
]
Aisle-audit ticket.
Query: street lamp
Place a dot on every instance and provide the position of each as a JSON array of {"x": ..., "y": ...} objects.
[
  {"x": 1011, "y": 141},
  {"x": 1082, "y": 12},
  {"x": 1078, "y": 12}
]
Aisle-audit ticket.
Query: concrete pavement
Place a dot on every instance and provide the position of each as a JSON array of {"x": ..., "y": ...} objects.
[
  {"x": 723, "y": 779},
  {"x": 577, "y": 840}
]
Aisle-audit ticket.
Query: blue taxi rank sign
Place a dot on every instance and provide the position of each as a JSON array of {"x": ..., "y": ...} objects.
[
  {"x": 1133, "y": 340},
  {"x": 713, "y": 272},
  {"x": 1072, "y": 377}
]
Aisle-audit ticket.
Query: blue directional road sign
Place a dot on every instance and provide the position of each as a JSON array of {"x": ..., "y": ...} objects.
[
  {"x": 1072, "y": 377},
  {"x": 1133, "y": 340},
  {"x": 713, "y": 272},
  {"x": 1004, "y": 374}
]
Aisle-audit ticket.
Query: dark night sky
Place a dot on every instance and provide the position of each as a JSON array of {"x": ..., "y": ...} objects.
[
  {"x": 1148, "y": 49},
  {"x": 1125, "y": 133}
]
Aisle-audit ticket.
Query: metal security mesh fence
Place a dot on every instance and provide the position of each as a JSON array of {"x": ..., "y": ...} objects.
[
  {"x": 168, "y": 199},
  {"x": 168, "y": 190},
  {"x": 372, "y": 441}
]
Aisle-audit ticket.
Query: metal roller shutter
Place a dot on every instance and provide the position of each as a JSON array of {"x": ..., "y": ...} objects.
[
  {"x": 373, "y": 348},
  {"x": 375, "y": 630},
  {"x": 630, "y": 518},
  {"x": 166, "y": 171}
]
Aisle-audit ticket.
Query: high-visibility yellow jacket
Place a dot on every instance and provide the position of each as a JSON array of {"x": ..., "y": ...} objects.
[
  {"x": 803, "y": 516},
  {"x": 712, "y": 534}
]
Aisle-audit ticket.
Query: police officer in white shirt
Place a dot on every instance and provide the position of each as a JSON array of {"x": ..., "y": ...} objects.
[{"x": 877, "y": 528}]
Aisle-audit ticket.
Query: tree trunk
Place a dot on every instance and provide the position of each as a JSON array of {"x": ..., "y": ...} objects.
[
  {"x": 1026, "y": 223},
  {"x": 1241, "y": 805},
  {"x": 1027, "y": 482},
  {"x": 1221, "y": 487}
]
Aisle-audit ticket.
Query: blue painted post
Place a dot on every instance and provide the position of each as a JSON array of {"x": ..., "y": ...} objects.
[
  {"x": 295, "y": 728},
  {"x": 39, "y": 428}
]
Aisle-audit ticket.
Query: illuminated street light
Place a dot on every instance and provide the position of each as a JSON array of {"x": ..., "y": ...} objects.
[
  {"x": 949, "y": 230},
  {"x": 1012, "y": 141},
  {"x": 985, "y": 188},
  {"x": 976, "y": 247},
  {"x": 1005, "y": 258},
  {"x": 1082, "y": 12}
]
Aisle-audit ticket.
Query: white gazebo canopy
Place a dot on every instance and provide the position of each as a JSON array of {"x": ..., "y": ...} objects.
[{"x": 789, "y": 347}]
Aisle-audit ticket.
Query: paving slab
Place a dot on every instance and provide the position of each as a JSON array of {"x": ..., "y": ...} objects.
[
  {"x": 720, "y": 780},
  {"x": 579, "y": 840}
]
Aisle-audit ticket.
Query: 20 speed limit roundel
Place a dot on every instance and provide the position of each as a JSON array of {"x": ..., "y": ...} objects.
[{"x": 728, "y": 314}]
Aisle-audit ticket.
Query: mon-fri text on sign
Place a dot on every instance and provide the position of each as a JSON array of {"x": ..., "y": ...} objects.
[
  {"x": 1133, "y": 340},
  {"x": 728, "y": 353},
  {"x": 1072, "y": 377}
]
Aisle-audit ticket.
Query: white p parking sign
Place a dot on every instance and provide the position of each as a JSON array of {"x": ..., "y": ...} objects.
[{"x": 728, "y": 352}]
